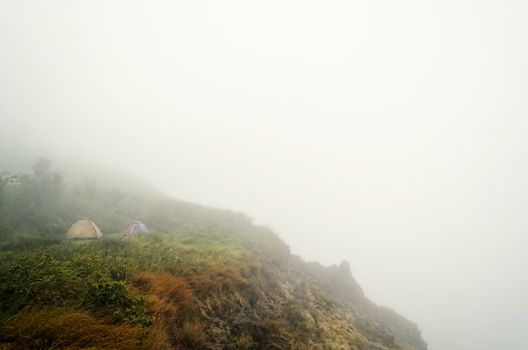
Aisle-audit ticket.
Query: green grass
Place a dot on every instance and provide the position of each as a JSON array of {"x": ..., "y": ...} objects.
[
  {"x": 93, "y": 275},
  {"x": 154, "y": 286}
]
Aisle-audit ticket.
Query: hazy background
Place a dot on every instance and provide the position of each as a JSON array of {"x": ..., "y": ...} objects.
[{"x": 392, "y": 134}]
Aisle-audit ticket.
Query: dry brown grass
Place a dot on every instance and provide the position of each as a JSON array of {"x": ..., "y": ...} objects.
[
  {"x": 245, "y": 342},
  {"x": 169, "y": 296},
  {"x": 219, "y": 280},
  {"x": 158, "y": 338},
  {"x": 192, "y": 335},
  {"x": 75, "y": 330}
]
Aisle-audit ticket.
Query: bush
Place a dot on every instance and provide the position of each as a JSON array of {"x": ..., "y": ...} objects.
[
  {"x": 108, "y": 294},
  {"x": 37, "y": 278}
]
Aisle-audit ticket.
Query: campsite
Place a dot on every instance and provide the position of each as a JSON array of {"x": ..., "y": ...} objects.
[
  {"x": 86, "y": 229},
  {"x": 263, "y": 175},
  {"x": 106, "y": 267}
]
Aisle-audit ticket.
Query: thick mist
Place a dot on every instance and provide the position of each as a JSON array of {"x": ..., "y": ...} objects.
[{"x": 390, "y": 134}]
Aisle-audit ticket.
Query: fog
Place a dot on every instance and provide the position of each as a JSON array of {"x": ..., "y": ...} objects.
[{"x": 390, "y": 134}]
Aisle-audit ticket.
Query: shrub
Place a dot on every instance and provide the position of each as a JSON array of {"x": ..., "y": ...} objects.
[
  {"x": 108, "y": 294},
  {"x": 37, "y": 278}
]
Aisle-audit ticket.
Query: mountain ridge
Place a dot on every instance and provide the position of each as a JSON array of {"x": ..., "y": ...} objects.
[{"x": 209, "y": 279}]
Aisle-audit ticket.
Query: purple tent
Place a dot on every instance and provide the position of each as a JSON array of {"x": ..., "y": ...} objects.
[{"x": 134, "y": 228}]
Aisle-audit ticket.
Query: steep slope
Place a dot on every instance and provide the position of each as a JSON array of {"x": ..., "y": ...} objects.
[
  {"x": 211, "y": 292},
  {"x": 210, "y": 279}
]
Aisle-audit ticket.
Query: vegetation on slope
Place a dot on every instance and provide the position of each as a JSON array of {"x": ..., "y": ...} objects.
[
  {"x": 210, "y": 279},
  {"x": 117, "y": 281}
]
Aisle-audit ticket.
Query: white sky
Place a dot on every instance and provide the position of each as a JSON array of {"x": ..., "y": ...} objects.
[{"x": 388, "y": 133}]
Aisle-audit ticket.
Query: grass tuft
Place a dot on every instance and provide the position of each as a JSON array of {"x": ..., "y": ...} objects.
[{"x": 192, "y": 335}]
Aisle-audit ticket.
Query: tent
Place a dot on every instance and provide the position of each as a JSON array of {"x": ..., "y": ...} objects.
[
  {"x": 84, "y": 229},
  {"x": 135, "y": 228}
]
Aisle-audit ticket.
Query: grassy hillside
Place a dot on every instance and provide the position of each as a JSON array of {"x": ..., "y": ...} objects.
[
  {"x": 134, "y": 284},
  {"x": 208, "y": 279}
]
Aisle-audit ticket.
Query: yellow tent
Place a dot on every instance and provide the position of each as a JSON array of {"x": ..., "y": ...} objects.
[{"x": 84, "y": 229}]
